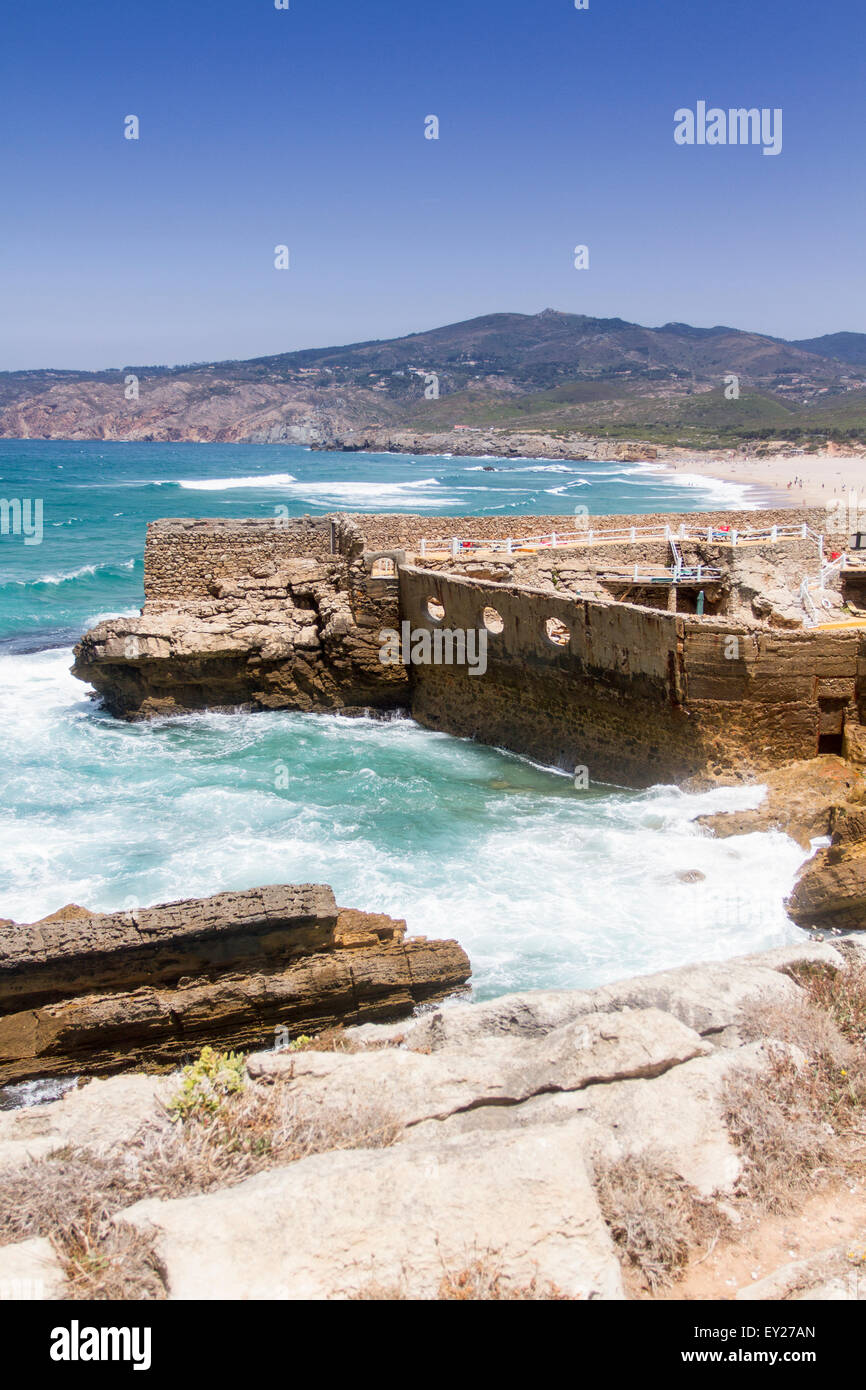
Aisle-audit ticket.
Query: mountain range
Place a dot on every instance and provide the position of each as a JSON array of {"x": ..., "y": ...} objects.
[{"x": 551, "y": 372}]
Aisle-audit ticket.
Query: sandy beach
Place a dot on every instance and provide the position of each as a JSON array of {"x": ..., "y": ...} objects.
[{"x": 795, "y": 480}]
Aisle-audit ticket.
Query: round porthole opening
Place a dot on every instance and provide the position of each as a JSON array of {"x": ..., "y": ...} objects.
[
  {"x": 492, "y": 621},
  {"x": 557, "y": 632}
]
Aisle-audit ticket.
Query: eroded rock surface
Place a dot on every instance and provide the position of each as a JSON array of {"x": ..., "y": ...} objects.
[
  {"x": 801, "y": 800},
  {"x": 235, "y": 618},
  {"x": 831, "y": 890}
]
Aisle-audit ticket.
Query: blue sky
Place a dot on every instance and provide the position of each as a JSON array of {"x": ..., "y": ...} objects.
[{"x": 306, "y": 127}]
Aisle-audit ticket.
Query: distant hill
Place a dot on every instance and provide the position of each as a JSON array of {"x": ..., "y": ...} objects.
[
  {"x": 547, "y": 371},
  {"x": 845, "y": 347}
]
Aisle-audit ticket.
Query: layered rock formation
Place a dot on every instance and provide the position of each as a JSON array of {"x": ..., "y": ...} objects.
[{"x": 103, "y": 992}]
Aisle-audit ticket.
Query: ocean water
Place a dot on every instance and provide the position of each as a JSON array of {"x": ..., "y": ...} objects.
[{"x": 544, "y": 885}]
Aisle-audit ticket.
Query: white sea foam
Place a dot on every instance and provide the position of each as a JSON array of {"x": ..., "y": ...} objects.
[
  {"x": 544, "y": 468},
  {"x": 378, "y": 496},
  {"x": 566, "y": 487},
  {"x": 68, "y": 576},
  {"x": 270, "y": 480}
]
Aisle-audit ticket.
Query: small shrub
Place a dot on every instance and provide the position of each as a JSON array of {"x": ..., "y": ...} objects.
[
  {"x": 840, "y": 993},
  {"x": 207, "y": 1083},
  {"x": 110, "y": 1264}
]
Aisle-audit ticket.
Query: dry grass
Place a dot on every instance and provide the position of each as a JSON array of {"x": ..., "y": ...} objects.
[
  {"x": 117, "y": 1262},
  {"x": 484, "y": 1281},
  {"x": 655, "y": 1218},
  {"x": 785, "y": 1141},
  {"x": 337, "y": 1039},
  {"x": 840, "y": 993},
  {"x": 802, "y": 1119},
  {"x": 72, "y": 1196}
]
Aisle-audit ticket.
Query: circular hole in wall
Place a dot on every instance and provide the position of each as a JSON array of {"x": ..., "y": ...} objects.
[
  {"x": 492, "y": 620},
  {"x": 435, "y": 609},
  {"x": 557, "y": 632}
]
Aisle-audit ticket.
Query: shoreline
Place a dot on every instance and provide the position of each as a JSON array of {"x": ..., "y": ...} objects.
[
  {"x": 821, "y": 479},
  {"x": 780, "y": 478}
]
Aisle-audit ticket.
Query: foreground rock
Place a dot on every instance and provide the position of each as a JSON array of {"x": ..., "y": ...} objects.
[
  {"x": 393, "y": 1222},
  {"x": 502, "y": 1115},
  {"x": 90, "y": 993}
]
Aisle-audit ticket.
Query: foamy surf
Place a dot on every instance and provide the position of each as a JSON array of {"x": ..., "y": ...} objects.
[
  {"x": 546, "y": 887},
  {"x": 232, "y": 484}
]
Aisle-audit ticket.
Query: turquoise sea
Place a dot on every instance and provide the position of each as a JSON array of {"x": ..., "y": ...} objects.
[{"x": 544, "y": 886}]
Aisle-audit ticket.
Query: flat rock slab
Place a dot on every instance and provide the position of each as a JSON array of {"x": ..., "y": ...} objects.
[
  {"x": 76, "y": 955},
  {"x": 96, "y": 1116},
  {"x": 335, "y": 1225},
  {"x": 498, "y": 1072},
  {"x": 676, "y": 1119}
]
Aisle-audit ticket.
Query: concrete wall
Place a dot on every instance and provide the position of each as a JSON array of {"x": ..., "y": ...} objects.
[{"x": 636, "y": 696}]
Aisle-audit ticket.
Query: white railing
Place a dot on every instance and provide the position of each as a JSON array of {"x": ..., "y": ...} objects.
[
  {"x": 829, "y": 568},
  {"x": 682, "y": 574},
  {"x": 591, "y": 535},
  {"x": 812, "y": 614}
]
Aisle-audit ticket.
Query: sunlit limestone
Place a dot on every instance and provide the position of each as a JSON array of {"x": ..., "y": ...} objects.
[{"x": 737, "y": 126}]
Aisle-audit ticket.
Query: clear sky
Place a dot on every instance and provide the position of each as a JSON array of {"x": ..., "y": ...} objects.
[{"x": 306, "y": 127}]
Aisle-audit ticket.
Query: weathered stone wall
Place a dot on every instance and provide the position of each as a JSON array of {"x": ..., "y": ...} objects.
[
  {"x": 636, "y": 696},
  {"x": 182, "y": 558}
]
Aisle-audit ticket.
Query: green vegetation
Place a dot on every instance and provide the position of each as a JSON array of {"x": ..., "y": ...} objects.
[{"x": 207, "y": 1084}]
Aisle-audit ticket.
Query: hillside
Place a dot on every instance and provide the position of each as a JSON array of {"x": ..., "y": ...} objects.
[{"x": 554, "y": 372}]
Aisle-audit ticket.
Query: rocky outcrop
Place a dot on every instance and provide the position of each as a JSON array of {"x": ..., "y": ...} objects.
[
  {"x": 272, "y": 631},
  {"x": 91, "y": 993},
  {"x": 801, "y": 799},
  {"x": 831, "y": 891}
]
